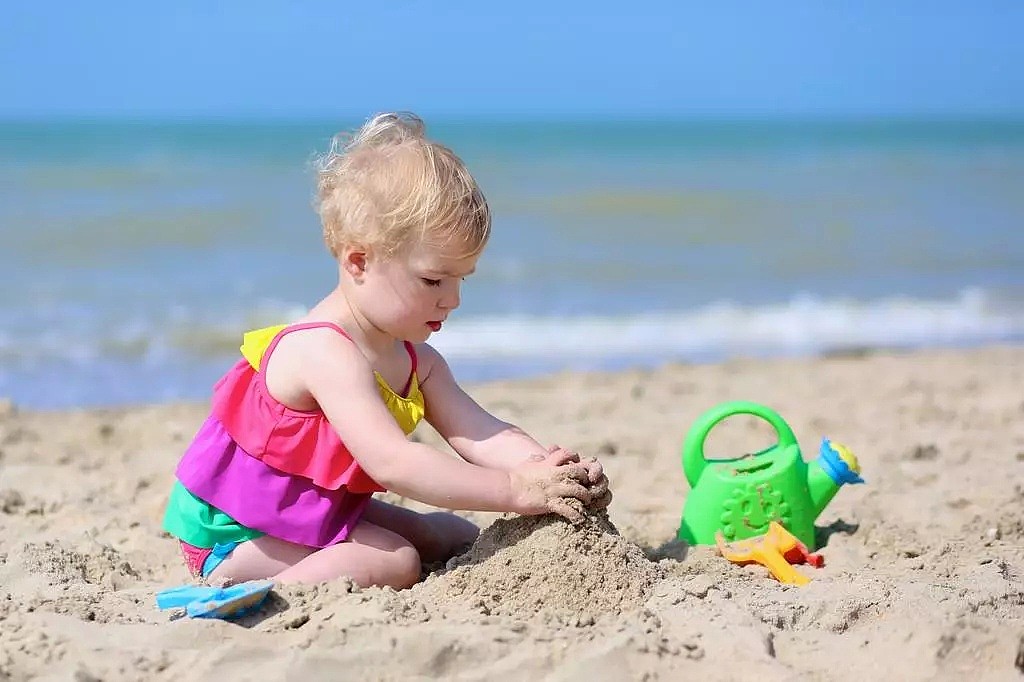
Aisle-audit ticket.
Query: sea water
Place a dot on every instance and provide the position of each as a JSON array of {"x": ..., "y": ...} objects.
[{"x": 133, "y": 255}]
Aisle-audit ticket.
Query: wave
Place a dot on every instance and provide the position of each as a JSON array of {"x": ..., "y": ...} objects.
[
  {"x": 805, "y": 324},
  {"x": 179, "y": 358}
]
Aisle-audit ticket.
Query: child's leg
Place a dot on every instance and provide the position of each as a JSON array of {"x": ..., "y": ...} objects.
[
  {"x": 259, "y": 559},
  {"x": 370, "y": 556},
  {"x": 437, "y": 536}
]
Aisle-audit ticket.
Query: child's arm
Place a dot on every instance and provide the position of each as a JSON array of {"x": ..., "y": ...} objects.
[
  {"x": 477, "y": 435},
  {"x": 341, "y": 381}
]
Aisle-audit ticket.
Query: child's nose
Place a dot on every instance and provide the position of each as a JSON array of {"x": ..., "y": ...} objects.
[{"x": 451, "y": 298}]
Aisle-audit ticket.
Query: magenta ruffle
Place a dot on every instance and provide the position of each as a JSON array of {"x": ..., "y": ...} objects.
[{"x": 218, "y": 471}]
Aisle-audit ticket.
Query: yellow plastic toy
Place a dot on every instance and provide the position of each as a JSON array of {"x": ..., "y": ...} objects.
[{"x": 775, "y": 550}]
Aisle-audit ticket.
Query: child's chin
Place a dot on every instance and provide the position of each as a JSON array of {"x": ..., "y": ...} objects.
[{"x": 420, "y": 337}]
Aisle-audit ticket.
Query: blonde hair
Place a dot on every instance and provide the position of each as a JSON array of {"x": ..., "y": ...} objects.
[{"x": 387, "y": 186}]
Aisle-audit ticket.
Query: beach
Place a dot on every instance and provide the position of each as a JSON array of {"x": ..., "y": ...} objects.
[{"x": 923, "y": 576}]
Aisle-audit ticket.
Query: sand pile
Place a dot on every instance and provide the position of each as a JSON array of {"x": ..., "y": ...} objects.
[{"x": 549, "y": 568}]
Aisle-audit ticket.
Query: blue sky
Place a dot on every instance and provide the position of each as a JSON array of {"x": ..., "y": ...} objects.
[{"x": 536, "y": 59}]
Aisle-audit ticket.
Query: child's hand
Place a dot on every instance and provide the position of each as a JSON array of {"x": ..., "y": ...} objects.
[
  {"x": 544, "y": 483},
  {"x": 597, "y": 482}
]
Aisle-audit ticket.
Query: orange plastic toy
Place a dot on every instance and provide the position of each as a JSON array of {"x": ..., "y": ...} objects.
[{"x": 775, "y": 550}]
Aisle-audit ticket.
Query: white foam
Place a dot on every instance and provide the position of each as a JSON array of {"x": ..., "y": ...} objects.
[
  {"x": 161, "y": 359},
  {"x": 803, "y": 325}
]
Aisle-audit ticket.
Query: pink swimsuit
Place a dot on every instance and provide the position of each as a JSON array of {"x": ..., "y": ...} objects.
[{"x": 259, "y": 467}]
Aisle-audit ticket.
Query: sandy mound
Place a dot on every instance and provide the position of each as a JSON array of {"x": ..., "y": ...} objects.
[
  {"x": 546, "y": 567},
  {"x": 540, "y": 569}
]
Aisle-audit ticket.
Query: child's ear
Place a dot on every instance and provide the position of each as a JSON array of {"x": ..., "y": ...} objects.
[{"x": 354, "y": 261}]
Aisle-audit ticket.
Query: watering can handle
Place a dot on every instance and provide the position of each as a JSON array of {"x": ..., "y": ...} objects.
[{"x": 693, "y": 447}]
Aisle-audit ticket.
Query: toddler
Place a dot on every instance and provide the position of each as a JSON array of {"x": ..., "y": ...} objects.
[{"x": 314, "y": 417}]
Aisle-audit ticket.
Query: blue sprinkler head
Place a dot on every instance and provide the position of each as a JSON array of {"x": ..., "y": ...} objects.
[{"x": 839, "y": 463}]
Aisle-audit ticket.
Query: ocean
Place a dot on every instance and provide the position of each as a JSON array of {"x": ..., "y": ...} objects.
[{"x": 133, "y": 255}]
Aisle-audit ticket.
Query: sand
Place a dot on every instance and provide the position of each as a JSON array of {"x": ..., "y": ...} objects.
[{"x": 924, "y": 574}]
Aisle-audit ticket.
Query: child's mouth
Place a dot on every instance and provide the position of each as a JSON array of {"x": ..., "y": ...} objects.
[{"x": 434, "y": 326}]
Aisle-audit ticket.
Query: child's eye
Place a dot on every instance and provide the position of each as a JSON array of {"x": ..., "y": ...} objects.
[{"x": 432, "y": 282}]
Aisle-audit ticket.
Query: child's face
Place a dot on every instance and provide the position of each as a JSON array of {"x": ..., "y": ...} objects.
[{"x": 411, "y": 294}]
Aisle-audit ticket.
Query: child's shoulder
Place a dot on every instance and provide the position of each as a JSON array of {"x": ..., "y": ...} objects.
[
  {"x": 315, "y": 345},
  {"x": 427, "y": 359},
  {"x": 319, "y": 337},
  {"x": 309, "y": 358}
]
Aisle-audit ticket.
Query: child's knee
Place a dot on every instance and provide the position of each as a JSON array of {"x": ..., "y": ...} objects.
[
  {"x": 457, "y": 530},
  {"x": 445, "y": 534},
  {"x": 405, "y": 566}
]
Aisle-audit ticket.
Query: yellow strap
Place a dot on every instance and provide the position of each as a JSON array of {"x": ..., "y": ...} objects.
[{"x": 255, "y": 343}]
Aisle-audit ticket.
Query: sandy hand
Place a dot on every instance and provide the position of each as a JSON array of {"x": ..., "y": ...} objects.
[
  {"x": 597, "y": 482},
  {"x": 544, "y": 483}
]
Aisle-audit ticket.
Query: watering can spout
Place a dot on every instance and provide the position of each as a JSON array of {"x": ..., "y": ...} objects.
[{"x": 835, "y": 466}]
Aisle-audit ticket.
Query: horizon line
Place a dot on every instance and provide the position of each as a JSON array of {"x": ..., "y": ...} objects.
[{"x": 211, "y": 118}]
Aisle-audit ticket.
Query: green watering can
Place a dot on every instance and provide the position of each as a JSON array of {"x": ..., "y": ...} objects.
[{"x": 740, "y": 497}]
